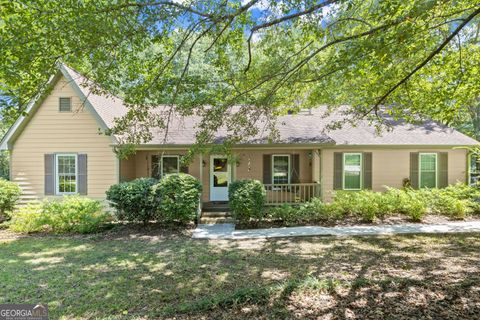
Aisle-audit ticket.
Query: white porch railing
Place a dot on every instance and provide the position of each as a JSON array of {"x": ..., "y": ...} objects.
[{"x": 278, "y": 194}]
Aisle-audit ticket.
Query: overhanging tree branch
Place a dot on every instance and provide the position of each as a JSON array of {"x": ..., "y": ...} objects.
[
  {"x": 278, "y": 21},
  {"x": 428, "y": 59}
]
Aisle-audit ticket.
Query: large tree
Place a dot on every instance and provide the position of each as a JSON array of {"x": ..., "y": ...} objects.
[{"x": 417, "y": 57}]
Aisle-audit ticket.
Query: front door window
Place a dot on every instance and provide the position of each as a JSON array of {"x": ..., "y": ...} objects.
[
  {"x": 219, "y": 178},
  {"x": 220, "y": 172}
]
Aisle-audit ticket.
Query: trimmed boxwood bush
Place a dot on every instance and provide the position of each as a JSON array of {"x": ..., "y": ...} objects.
[
  {"x": 9, "y": 195},
  {"x": 71, "y": 214},
  {"x": 246, "y": 199},
  {"x": 177, "y": 197},
  {"x": 133, "y": 200}
]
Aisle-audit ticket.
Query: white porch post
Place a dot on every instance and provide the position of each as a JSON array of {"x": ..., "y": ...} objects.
[
  {"x": 317, "y": 170},
  {"x": 316, "y": 166}
]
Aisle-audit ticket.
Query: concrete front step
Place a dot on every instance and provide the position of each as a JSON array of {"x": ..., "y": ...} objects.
[
  {"x": 215, "y": 207},
  {"x": 216, "y": 220},
  {"x": 215, "y": 214}
]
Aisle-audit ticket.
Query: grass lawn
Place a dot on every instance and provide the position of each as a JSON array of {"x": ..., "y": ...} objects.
[{"x": 143, "y": 274}]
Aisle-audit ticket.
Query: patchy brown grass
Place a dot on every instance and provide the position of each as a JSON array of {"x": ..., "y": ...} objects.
[{"x": 149, "y": 274}]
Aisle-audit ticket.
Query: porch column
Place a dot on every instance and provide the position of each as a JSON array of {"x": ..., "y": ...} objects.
[
  {"x": 316, "y": 165},
  {"x": 317, "y": 172}
]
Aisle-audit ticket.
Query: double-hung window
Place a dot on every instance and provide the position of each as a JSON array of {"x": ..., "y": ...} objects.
[
  {"x": 66, "y": 173},
  {"x": 169, "y": 165},
  {"x": 164, "y": 165},
  {"x": 352, "y": 171},
  {"x": 427, "y": 170},
  {"x": 474, "y": 169},
  {"x": 280, "y": 169}
]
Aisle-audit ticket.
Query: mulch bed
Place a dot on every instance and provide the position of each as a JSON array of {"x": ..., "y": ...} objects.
[{"x": 351, "y": 221}]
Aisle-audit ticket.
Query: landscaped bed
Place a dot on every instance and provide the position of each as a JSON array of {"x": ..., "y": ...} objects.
[
  {"x": 394, "y": 206},
  {"x": 139, "y": 272},
  {"x": 353, "y": 220}
]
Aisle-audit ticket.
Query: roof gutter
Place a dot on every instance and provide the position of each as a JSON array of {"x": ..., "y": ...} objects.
[{"x": 305, "y": 146}]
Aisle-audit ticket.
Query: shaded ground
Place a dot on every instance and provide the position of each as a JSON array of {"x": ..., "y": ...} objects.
[
  {"x": 355, "y": 220},
  {"x": 145, "y": 274}
]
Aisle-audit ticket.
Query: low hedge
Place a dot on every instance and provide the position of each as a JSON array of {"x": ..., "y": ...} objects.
[
  {"x": 246, "y": 200},
  {"x": 455, "y": 201},
  {"x": 9, "y": 195},
  {"x": 174, "y": 198},
  {"x": 310, "y": 212},
  {"x": 71, "y": 214}
]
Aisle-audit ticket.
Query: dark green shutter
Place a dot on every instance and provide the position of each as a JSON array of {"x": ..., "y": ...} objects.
[
  {"x": 414, "y": 169},
  {"x": 155, "y": 167},
  {"x": 82, "y": 174},
  {"x": 49, "y": 174},
  {"x": 442, "y": 169},
  {"x": 337, "y": 171},
  {"x": 367, "y": 170},
  {"x": 295, "y": 167},
  {"x": 267, "y": 169}
]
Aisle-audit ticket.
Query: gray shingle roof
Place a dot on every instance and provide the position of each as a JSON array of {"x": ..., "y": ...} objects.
[{"x": 303, "y": 128}]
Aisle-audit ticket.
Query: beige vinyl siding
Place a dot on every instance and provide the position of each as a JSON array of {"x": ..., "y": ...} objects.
[
  {"x": 128, "y": 169},
  {"x": 392, "y": 165},
  {"x": 52, "y": 131}
]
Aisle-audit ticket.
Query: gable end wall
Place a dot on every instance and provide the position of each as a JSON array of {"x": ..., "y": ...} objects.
[{"x": 51, "y": 131}]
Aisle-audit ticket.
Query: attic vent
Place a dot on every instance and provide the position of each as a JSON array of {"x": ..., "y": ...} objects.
[{"x": 65, "y": 105}]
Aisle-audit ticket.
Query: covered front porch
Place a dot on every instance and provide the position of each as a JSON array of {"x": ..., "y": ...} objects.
[{"x": 289, "y": 175}]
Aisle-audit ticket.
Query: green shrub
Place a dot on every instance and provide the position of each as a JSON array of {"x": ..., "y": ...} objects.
[
  {"x": 454, "y": 201},
  {"x": 364, "y": 204},
  {"x": 444, "y": 203},
  {"x": 177, "y": 197},
  {"x": 414, "y": 206},
  {"x": 74, "y": 214},
  {"x": 246, "y": 199},
  {"x": 9, "y": 195},
  {"x": 71, "y": 214},
  {"x": 284, "y": 213},
  {"x": 27, "y": 219},
  {"x": 313, "y": 211},
  {"x": 133, "y": 200},
  {"x": 317, "y": 210},
  {"x": 469, "y": 194}
]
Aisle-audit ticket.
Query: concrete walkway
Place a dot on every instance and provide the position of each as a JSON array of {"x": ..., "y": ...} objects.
[{"x": 227, "y": 231}]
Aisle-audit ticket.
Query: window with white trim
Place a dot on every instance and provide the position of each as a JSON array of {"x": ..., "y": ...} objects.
[
  {"x": 280, "y": 169},
  {"x": 169, "y": 165},
  {"x": 66, "y": 173},
  {"x": 474, "y": 169},
  {"x": 352, "y": 171},
  {"x": 427, "y": 170}
]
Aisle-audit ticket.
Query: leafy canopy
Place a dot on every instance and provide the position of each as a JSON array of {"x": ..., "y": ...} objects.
[{"x": 418, "y": 56}]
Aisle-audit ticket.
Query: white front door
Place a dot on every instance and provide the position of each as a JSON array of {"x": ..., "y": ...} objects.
[{"x": 219, "y": 178}]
